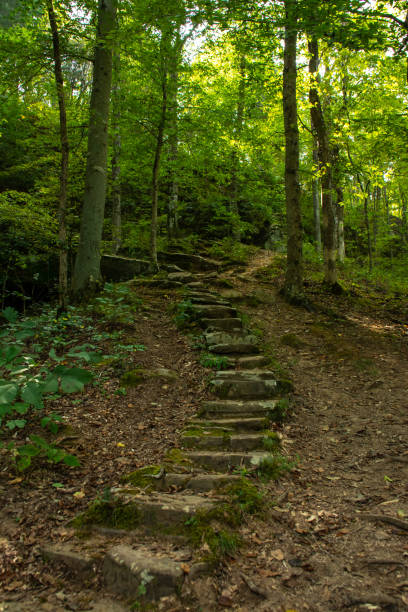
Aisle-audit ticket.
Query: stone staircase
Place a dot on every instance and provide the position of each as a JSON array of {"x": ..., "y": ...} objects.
[{"x": 228, "y": 438}]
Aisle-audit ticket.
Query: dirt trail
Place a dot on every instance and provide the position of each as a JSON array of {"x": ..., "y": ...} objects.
[
  {"x": 327, "y": 551},
  {"x": 322, "y": 547}
]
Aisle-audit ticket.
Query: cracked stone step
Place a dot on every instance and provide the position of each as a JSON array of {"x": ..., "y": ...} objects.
[
  {"x": 238, "y": 408},
  {"x": 125, "y": 570},
  {"x": 237, "y": 424},
  {"x": 200, "y": 482},
  {"x": 245, "y": 384},
  {"x": 237, "y": 342},
  {"x": 224, "y": 461},
  {"x": 237, "y": 442},
  {"x": 214, "y": 311},
  {"x": 249, "y": 363},
  {"x": 205, "y": 300},
  {"x": 157, "y": 509},
  {"x": 229, "y": 324}
]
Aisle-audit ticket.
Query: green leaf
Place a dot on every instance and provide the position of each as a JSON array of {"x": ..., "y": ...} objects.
[
  {"x": 32, "y": 394},
  {"x": 8, "y": 392},
  {"x": 57, "y": 485},
  {"x": 51, "y": 384},
  {"x": 55, "y": 454},
  {"x": 23, "y": 462},
  {"x": 29, "y": 450},
  {"x": 10, "y": 353},
  {"x": 71, "y": 460},
  {"x": 40, "y": 442},
  {"x": 10, "y": 314},
  {"x": 20, "y": 423},
  {"x": 73, "y": 379},
  {"x": 21, "y": 408}
]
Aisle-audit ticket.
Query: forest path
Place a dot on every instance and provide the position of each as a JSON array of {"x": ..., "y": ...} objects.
[
  {"x": 319, "y": 548},
  {"x": 349, "y": 367}
]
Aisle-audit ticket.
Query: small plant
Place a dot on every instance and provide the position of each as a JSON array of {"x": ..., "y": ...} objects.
[
  {"x": 116, "y": 303},
  {"x": 208, "y": 360},
  {"x": 280, "y": 412},
  {"x": 145, "y": 579},
  {"x": 274, "y": 467},
  {"x": 271, "y": 441},
  {"x": 184, "y": 314}
]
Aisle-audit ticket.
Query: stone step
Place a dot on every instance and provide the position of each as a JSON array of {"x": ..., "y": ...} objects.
[
  {"x": 232, "y": 408},
  {"x": 199, "y": 482},
  {"x": 131, "y": 573},
  {"x": 229, "y": 324},
  {"x": 237, "y": 442},
  {"x": 245, "y": 384},
  {"x": 237, "y": 424},
  {"x": 205, "y": 299},
  {"x": 251, "y": 362},
  {"x": 233, "y": 342},
  {"x": 214, "y": 311},
  {"x": 196, "y": 285},
  {"x": 224, "y": 461},
  {"x": 157, "y": 509}
]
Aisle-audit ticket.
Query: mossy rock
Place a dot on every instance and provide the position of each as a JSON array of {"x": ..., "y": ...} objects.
[
  {"x": 138, "y": 376},
  {"x": 142, "y": 478},
  {"x": 112, "y": 514},
  {"x": 176, "y": 458}
]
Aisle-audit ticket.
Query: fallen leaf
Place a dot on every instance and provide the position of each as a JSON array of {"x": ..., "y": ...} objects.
[
  {"x": 15, "y": 481},
  {"x": 120, "y": 444},
  {"x": 185, "y": 568},
  {"x": 278, "y": 554},
  {"x": 79, "y": 494}
]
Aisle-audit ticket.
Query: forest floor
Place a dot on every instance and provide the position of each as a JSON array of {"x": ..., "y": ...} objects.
[{"x": 326, "y": 545}]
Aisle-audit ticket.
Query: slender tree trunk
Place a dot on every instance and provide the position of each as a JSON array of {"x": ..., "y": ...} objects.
[
  {"x": 172, "y": 208},
  {"x": 62, "y": 207},
  {"x": 156, "y": 170},
  {"x": 316, "y": 189},
  {"x": 368, "y": 229},
  {"x": 341, "y": 249},
  {"x": 87, "y": 274},
  {"x": 235, "y": 153},
  {"x": 329, "y": 221},
  {"x": 294, "y": 271},
  {"x": 117, "y": 149}
]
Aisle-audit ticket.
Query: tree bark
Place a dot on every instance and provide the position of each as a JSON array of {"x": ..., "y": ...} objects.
[
  {"x": 235, "y": 153},
  {"x": 316, "y": 188},
  {"x": 117, "y": 149},
  {"x": 156, "y": 169},
  {"x": 172, "y": 207},
  {"x": 329, "y": 221},
  {"x": 62, "y": 206},
  {"x": 341, "y": 248},
  {"x": 87, "y": 274},
  {"x": 293, "y": 287}
]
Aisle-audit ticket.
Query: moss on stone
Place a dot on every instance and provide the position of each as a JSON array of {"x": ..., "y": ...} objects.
[
  {"x": 271, "y": 441},
  {"x": 135, "y": 377},
  {"x": 142, "y": 478},
  {"x": 175, "y": 456},
  {"x": 280, "y": 412},
  {"x": 116, "y": 515}
]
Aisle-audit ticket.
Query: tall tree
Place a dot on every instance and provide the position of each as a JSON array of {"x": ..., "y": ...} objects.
[
  {"x": 87, "y": 273},
  {"x": 293, "y": 287},
  {"x": 62, "y": 207}
]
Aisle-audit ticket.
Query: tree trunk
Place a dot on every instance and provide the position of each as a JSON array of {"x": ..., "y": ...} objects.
[
  {"x": 156, "y": 170},
  {"x": 329, "y": 224},
  {"x": 293, "y": 288},
  {"x": 341, "y": 249},
  {"x": 117, "y": 148},
  {"x": 367, "y": 224},
  {"x": 87, "y": 274},
  {"x": 62, "y": 206},
  {"x": 316, "y": 189},
  {"x": 235, "y": 153},
  {"x": 172, "y": 208}
]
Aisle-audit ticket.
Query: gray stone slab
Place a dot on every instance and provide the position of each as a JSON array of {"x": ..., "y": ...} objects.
[
  {"x": 244, "y": 389},
  {"x": 200, "y": 482},
  {"x": 181, "y": 277},
  {"x": 228, "y": 324},
  {"x": 242, "y": 442},
  {"x": 117, "y": 269},
  {"x": 223, "y": 461},
  {"x": 237, "y": 424},
  {"x": 214, "y": 311},
  {"x": 238, "y": 408},
  {"x": 126, "y": 569},
  {"x": 252, "y": 362},
  {"x": 240, "y": 348},
  {"x": 77, "y": 562}
]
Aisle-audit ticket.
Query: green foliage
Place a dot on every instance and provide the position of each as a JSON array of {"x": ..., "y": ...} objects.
[
  {"x": 184, "y": 314},
  {"x": 274, "y": 467},
  {"x": 217, "y": 362},
  {"x": 117, "y": 303},
  {"x": 28, "y": 376},
  {"x": 232, "y": 251},
  {"x": 280, "y": 412}
]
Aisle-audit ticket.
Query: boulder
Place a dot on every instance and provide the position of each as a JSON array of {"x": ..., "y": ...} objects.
[
  {"x": 119, "y": 269},
  {"x": 138, "y": 376},
  {"x": 189, "y": 262}
]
